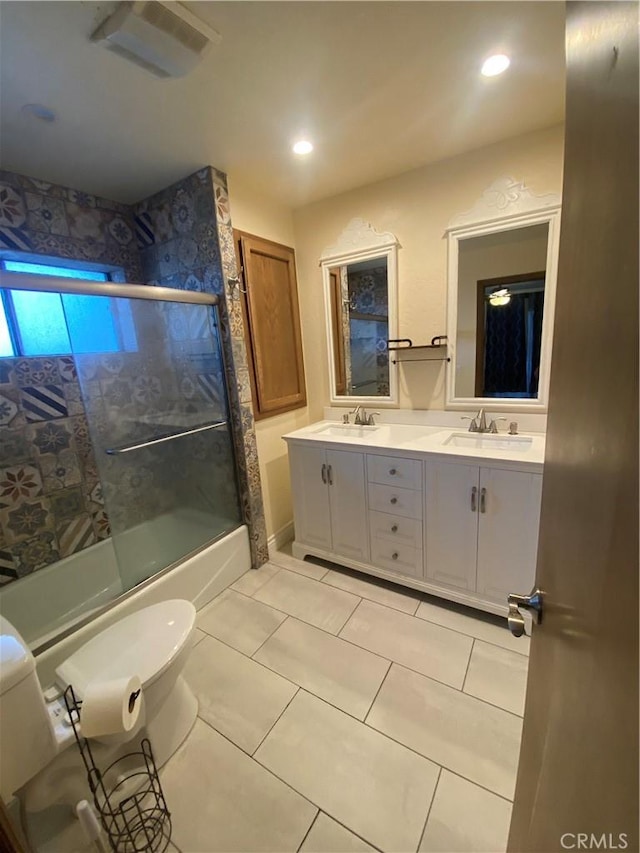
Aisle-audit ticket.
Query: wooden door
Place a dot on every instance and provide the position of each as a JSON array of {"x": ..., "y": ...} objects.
[
  {"x": 508, "y": 522},
  {"x": 347, "y": 495},
  {"x": 310, "y": 492},
  {"x": 272, "y": 323},
  {"x": 578, "y": 768},
  {"x": 451, "y": 524}
]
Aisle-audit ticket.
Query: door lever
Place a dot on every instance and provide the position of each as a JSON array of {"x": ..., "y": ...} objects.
[{"x": 515, "y": 619}]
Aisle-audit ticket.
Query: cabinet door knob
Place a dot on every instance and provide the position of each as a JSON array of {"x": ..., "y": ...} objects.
[
  {"x": 394, "y": 500},
  {"x": 392, "y": 471},
  {"x": 394, "y": 528},
  {"x": 394, "y": 556}
]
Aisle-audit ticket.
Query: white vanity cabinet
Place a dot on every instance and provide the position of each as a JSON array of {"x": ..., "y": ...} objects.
[
  {"x": 329, "y": 497},
  {"x": 481, "y": 528},
  {"x": 455, "y": 524},
  {"x": 394, "y": 488}
]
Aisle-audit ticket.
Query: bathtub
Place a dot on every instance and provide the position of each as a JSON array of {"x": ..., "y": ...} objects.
[{"x": 84, "y": 584}]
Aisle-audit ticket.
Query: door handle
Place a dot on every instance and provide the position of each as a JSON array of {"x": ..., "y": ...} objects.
[
  {"x": 533, "y": 601},
  {"x": 474, "y": 496},
  {"x": 324, "y": 473},
  {"x": 483, "y": 500},
  {"x": 330, "y": 474}
]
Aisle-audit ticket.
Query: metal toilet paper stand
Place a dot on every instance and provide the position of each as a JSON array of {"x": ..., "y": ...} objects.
[{"x": 127, "y": 795}]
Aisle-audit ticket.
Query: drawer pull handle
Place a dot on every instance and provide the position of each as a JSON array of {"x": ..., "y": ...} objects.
[
  {"x": 474, "y": 494},
  {"x": 323, "y": 473},
  {"x": 394, "y": 528},
  {"x": 483, "y": 500},
  {"x": 393, "y": 501},
  {"x": 394, "y": 556},
  {"x": 392, "y": 471}
]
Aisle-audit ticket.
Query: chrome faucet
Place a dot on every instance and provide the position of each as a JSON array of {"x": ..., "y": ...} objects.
[
  {"x": 361, "y": 417},
  {"x": 479, "y": 423}
]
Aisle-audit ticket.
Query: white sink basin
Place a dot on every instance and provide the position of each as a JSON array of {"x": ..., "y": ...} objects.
[
  {"x": 354, "y": 430},
  {"x": 487, "y": 441}
]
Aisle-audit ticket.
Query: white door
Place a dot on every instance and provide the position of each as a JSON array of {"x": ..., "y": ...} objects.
[
  {"x": 310, "y": 495},
  {"x": 509, "y": 517},
  {"x": 451, "y": 500},
  {"x": 348, "y": 504}
]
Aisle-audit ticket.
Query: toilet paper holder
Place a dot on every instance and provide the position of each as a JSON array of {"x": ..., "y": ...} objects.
[{"x": 127, "y": 794}]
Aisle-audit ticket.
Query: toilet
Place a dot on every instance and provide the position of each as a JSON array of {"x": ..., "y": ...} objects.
[{"x": 152, "y": 643}]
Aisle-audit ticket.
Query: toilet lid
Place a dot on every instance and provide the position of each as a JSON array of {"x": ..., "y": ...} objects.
[{"x": 143, "y": 644}]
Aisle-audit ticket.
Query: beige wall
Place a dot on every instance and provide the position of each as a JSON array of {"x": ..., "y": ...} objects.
[
  {"x": 417, "y": 207},
  {"x": 266, "y": 218}
]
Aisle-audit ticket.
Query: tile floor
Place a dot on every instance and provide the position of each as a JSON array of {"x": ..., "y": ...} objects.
[{"x": 341, "y": 714}]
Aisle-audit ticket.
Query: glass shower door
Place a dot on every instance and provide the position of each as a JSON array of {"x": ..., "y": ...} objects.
[{"x": 153, "y": 386}]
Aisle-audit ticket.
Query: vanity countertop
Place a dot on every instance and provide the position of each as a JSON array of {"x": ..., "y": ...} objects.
[{"x": 525, "y": 451}]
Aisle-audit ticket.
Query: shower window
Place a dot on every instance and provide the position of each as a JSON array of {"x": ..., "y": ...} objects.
[{"x": 32, "y": 323}]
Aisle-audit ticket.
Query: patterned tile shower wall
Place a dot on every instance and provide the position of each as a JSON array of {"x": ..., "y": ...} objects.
[
  {"x": 51, "y": 496},
  {"x": 186, "y": 241}
]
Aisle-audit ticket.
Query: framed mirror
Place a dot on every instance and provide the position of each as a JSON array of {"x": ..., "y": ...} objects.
[
  {"x": 360, "y": 293},
  {"x": 502, "y": 259}
]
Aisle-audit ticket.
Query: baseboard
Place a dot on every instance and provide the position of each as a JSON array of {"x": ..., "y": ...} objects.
[{"x": 281, "y": 537}]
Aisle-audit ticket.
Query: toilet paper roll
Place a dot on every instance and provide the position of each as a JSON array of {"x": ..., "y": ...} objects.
[{"x": 111, "y": 707}]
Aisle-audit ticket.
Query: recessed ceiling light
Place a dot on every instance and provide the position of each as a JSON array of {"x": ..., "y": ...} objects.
[
  {"x": 303, "y": 146},
  {"x": 495, "y": 65}
]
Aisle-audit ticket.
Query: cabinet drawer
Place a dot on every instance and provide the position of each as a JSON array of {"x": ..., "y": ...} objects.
[
  {"x": 396, "y": 557},
  {"x": 392, "y": 471},
  {"x": 404, "y": 531},
  {"x": 405, "y": 502}
]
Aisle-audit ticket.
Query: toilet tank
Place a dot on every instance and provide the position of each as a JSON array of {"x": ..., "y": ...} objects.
[{"x": 27, "y": 742}]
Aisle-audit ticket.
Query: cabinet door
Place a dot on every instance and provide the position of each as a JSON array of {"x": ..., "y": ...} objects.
[
  {"x": 348, "y": 504},
  {"x": 507, "y": 532},
  {"x": 310, "y": 496},
  {"x": 451, "y": 524}
]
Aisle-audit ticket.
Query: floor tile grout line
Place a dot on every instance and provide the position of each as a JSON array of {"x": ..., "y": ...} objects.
[
  {"x": 375, "y": 601},
  {"x": 275, "y": 722},
  {"x": 306, "y": 835},
  {"x": 435, "y": 624},
  {"x": 377, "y": 692},
  {"x": 233, "y": 585},
  {"x": 349, "y": 829},
  {"x": 372, "y": 728},
  {"x": 260, "y": 764},
  {"x": 433, "y": 799},
  {"x": 415, "y": 614},
  {"x": 362, "y": 648},
  {"x": 466, "y": 672},
  {"x": 423, "y": 599}
]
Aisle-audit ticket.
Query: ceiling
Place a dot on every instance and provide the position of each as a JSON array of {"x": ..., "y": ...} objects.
[{"x": 379, "y": 87}]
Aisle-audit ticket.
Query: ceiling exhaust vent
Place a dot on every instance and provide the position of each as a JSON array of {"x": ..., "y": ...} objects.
[{"x": 165, "y": 38}]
